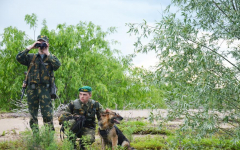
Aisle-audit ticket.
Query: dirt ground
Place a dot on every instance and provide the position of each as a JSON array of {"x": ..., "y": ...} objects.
[{"x": 11, "y": 124}]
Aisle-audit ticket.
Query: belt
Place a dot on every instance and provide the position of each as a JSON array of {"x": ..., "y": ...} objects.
[
  {"x": 34, "y": 85},
  {"x": 42, "y": 85}
]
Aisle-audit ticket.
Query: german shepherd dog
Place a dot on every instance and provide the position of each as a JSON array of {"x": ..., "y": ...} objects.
[{"x": 109, "y": 133}]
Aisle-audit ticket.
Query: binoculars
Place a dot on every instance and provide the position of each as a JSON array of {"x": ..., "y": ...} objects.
[{"x": 41, "y": 45}]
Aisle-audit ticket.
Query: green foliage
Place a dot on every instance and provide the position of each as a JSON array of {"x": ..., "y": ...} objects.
[
  {"x": 142, "y": 127},
  {"x": 65, "y": 145},
  {"x": 11, "y": 73},
  {"x": 87, "y": 59},
  {"x": 202, "y": 144},
  {"x": 149, "y": 142},
  {"x": 11, "y": 145},
  {"x": 4, "y": 133},
  {"x": 193, "y": 46},
  {"x": 44, "y": 139},
  {"x": 172, "y": 142},
  {"x": 31, "y": 20}
]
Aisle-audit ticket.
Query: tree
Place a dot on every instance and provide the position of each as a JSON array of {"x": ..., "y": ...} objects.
[
  {"x": 193, "y": 45},
  {"x": 87, "y": 59}
]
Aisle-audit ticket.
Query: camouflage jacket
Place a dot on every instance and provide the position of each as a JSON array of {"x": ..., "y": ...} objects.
[
  {"x": 38, "y": 74},
  {"x": 89, "y": 110}
]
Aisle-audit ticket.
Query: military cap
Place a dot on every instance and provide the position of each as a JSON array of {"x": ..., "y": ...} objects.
[
  {"x": 85, "y": 89},
  {"x": 43, "y": 37}
]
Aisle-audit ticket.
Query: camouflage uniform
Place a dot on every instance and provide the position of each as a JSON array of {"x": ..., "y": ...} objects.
[
  {"x": 89, "y": 110},
  {"x": 38, "y": 89}
]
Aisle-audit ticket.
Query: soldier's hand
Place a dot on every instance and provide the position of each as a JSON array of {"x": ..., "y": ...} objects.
[
  {"x": 46, "y": 51},
  {"x": 24, "y": 85}
]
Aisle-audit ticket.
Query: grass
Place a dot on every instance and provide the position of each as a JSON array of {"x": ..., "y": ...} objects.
[
  {"x": 143, "y": 127},
  {"x": 4, "y": 133},
  {"x": 149, "y": 142},
  {"x": 158, "y": 139}
]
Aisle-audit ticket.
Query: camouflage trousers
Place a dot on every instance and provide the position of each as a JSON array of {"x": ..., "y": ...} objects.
[{"x": 40, "y": 96}]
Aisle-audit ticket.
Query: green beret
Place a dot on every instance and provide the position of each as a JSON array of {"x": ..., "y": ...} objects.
[
  {"x": 85, "y": 89},
  {"x": 42, "y": 37}
]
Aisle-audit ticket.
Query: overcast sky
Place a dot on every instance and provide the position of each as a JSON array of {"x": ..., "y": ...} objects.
[{"x": 105, "y": 13}]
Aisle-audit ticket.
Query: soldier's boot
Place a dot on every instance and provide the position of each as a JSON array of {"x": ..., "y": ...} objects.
[
  {"x": 73, "y": 140},
  {"x": 34, "y": 126},
  {"x": 75, "y": 147},
  {"x": 49, "y": 125},
  {"x": 48, "y": 122},
  {"x": 82, "y": 147},
  {"x": 35, "y": 131}
]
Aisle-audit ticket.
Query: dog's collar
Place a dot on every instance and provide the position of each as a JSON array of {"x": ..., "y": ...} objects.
[
  {"x": 104, "y": 133},
  {"x": 107, "y": 130}
]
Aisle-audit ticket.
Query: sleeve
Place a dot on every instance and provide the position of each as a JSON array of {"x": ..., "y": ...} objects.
[
  {"x": 99, "y": 109},
  {"x": 70, "y": 108},
  {"x": 23, "y": 57},
  {"x": 54, "y": 61}
]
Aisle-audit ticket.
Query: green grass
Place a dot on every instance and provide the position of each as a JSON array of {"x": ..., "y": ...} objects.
[
  {"x": 158, "y": 139},
  {"x": 210, "y": 143},
  {"x": 4, "y": 133},
  {"x": 149, "y": 142},
  {"x": 143, "y": 127}
]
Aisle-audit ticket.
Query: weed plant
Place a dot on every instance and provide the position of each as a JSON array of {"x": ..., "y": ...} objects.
[
  {"x": 149, "y": 142},
  {"x": 142, "y": 127},
  {"x": 46, "y": 140}
]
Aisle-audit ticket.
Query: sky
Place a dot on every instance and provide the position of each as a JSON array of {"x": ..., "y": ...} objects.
[{"x": 105, "y": 13}]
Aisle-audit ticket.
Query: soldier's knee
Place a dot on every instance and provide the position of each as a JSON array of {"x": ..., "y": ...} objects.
[
  {"x": 92, "y": 140},
  {"x": 88, "y": 139}
]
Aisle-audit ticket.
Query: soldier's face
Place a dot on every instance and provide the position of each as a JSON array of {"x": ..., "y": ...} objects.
[{"x": 84, "y": 96}]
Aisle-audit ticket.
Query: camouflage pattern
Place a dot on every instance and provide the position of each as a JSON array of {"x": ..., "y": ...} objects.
[
  {"x": 37, "y": 73},
  {"x": 43, "y": 37},
  {"x": 76, "y": 107},
  {"x": 90, "y": 134},
  {"x": 39, "y": 94}
]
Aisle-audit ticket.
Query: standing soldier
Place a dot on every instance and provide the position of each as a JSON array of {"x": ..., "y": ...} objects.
[
  {"x": 84, "y": 106},
  {"x": 39, "y": 77}
]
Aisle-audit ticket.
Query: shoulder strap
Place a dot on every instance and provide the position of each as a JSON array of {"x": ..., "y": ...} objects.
[
  {"x": 93, "y": 102},
  {"x": 93, "y": 106},
  {"x": 31, "y": 64},
  {"x": 96, "y": 105},
  {"x": 76, "y": 104},
  {"x": 71, "y": 107}
]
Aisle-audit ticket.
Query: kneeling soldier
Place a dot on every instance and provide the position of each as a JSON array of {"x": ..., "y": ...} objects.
[{"x": 84, "y": 106}]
